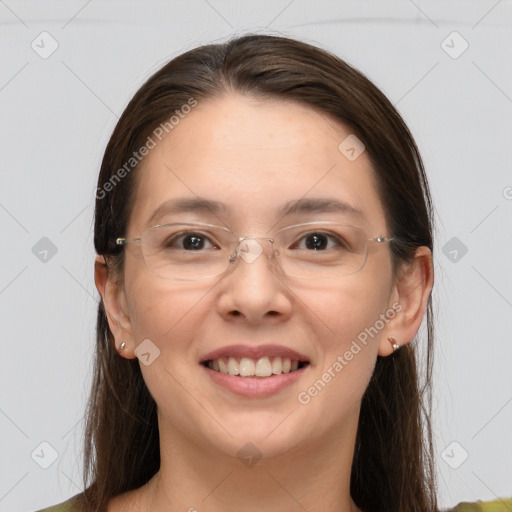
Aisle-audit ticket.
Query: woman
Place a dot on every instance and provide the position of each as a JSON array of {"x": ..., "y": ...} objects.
[{"x": 264, "y": 237}]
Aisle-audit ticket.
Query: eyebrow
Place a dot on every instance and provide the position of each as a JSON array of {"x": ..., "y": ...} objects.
[
  {"x": 299, "y": 206},
  {"x": 191, "y": 204},
  {"x": 319, "y": 205}
]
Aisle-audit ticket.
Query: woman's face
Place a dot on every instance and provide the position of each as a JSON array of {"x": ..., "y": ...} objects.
[{"x": 254, "y": 156}]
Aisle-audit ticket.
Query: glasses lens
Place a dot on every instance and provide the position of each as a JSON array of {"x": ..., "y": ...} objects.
[
  {"x": 190, "y": 251},
  {"x": 186, "y": 251},
  {"x": 322, "y": 249}
]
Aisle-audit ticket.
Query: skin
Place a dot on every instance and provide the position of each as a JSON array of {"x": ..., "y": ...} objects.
[{"x": 254, "y": 155}]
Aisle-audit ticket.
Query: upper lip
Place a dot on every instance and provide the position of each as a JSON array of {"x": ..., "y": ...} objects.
[{"x": 254, "y": 352}]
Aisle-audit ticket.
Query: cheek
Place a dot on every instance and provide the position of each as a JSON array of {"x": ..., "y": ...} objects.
[
  {"x": 347, "y": 335},
  {"x": 339, "y": 312},
  {"x": 161, "y": 311},
  {"x": 335, "y": 387}
]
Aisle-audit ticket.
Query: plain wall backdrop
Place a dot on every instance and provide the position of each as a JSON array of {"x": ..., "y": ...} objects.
[{"x": 68, "y": 69}]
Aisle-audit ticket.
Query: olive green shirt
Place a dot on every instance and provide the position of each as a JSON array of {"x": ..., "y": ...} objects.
[
  {"x": 500, "y": 505},
  {"x": 66, "y": 506}
]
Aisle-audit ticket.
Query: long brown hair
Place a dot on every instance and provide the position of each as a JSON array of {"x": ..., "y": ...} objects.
[{"x": 393, "y": 466}]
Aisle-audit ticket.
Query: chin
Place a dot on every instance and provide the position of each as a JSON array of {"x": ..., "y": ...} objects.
[{"x": 260, "y": 436}]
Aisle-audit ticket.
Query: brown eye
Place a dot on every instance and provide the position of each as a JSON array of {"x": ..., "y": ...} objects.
[
  {"x": 187, "y": 241},
  {"x": 318, "y": 241}
]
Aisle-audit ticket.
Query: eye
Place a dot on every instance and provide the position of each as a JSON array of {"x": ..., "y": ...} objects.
[
  {"x": 319, "y": 241},
  {"x": 188, "y": 241}
]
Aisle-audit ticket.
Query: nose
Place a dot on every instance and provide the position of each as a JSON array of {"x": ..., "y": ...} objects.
[
  {"x": 254, "y": 290},
  {"x": 250, "y": 249}
]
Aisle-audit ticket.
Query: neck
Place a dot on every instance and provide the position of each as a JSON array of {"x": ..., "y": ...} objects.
[{"x": 198, "y": 477}]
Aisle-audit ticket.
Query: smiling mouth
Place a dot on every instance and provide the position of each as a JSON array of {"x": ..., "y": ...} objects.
[{"x": 262, "y": 367}]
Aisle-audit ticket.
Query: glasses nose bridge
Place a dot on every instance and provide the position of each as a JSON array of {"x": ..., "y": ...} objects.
[{"x": 249, "y": 249}]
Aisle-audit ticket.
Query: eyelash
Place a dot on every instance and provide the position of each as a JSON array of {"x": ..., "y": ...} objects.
[{"x": 338, "y": 241}]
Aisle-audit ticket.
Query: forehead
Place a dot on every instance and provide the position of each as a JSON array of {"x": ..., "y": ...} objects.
[{"x": 257, "y": 157}]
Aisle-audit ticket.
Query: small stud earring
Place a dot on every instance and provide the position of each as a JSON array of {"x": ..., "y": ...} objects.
[
  {"x": 121, "y": 347},
  {"x": 395, "y": 345}
]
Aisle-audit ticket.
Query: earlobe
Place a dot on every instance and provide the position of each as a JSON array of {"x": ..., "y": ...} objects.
[
  {"x": 412, "y": 290},
  {"x": 114, "y": 303},
  {"x": 394, "y": 343}
]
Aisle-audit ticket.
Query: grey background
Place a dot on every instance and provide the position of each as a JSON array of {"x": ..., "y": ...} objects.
[{"x": 56, "y": 114}]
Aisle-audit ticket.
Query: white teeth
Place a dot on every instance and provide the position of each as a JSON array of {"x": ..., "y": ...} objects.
[
  {"x": 263, "y": 367},
  {"x": 223, "y": 367},
  {"x": 248, "y": 367},
  {"x": 233, "y": 366},
  {"x": 277, "y": 366}
]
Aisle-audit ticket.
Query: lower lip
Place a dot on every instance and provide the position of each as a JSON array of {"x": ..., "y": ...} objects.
[{"x": 255, "y": 387}]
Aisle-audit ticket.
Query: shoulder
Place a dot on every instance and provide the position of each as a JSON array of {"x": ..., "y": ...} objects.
[
  {"x": 65, "y": 506},
  {"x": 499, "y": 505}
]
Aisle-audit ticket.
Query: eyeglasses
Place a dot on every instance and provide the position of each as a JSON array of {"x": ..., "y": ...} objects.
[{"x": 192, "y": 251}]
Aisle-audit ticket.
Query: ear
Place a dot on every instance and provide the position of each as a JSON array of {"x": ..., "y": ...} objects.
[
  {"x": 115, "y": 304},
  {"x": 411, "y": 292}
]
